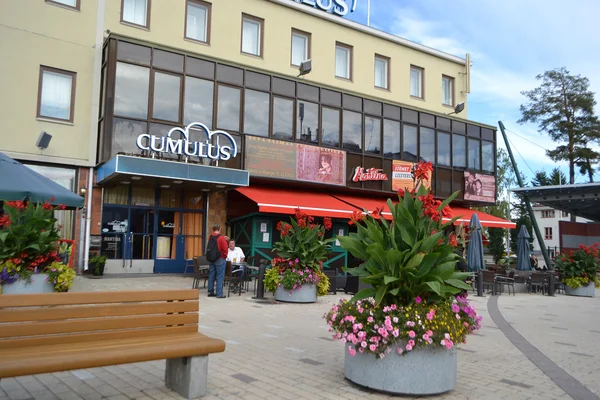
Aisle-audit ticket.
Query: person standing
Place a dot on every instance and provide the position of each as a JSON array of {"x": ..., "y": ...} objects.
[{"x": 216, "y": 254}]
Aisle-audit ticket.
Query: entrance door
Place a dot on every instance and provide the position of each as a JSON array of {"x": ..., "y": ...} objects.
[{"x": 140, "y": 242}]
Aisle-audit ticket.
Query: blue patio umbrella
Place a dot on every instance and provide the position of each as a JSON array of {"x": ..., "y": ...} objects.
[
  {"x": 475, "y": 249},
  {"x": 18, "y": 182},
  {"x": 523, "y": 263}
]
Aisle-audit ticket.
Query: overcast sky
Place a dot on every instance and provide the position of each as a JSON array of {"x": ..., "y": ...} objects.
[{"x": 510, "y": 42}]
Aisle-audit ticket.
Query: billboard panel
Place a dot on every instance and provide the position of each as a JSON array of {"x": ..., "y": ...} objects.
[
  {"x": 402, "y": 177},
  {"x": 480, "y": 187}
]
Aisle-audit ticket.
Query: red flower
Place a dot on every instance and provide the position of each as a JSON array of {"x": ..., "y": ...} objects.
[
  {"x": 5, "y": 221},
  {"x": 279, "y": 225},
  {"x": 47, "y": 206},
  {"x": 376, "y": 213},
  {"x": 19, "y": 205},
  {"x": 52, "y": 198},
  {"x": 357, "y": 216},
  {"x": 320, "y": 234},
  {"x": 422, "y": 171},
  {"x": 401, "y": 192},
  {"x": 452, "y": 240},
  {"x": 302, "y": 223},
  {"x": 299, "y": 214},
  {"x": 61, "y": 207},
  {"x": 447, "y": 212},
  {"x": 327, "y": 223}
]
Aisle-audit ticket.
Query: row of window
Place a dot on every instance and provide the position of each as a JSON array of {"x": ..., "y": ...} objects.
[
  {"x": 197, "y": 28},
  {"x": 551, "y": 214}
]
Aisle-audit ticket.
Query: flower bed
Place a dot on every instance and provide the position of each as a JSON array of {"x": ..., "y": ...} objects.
[
  {"x": 579, "y": 268},
  {"x": 29, "y": 241}
]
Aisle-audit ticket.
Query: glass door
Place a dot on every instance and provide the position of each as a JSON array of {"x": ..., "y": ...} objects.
[
  {"x": 140, "y": 241},
  {"x": 115, "y": 229}
]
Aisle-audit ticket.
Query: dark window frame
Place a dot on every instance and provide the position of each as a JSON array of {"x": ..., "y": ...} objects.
[
  {"x": 350, "y": 50},
  {"x": 151, "y": 93},
  {"x": 261, "y": 33},
  {"x": 133, "y": 24},
  {"x": 453, "y": 89},
  {"x": 308, "y": 36},
  {"x": 208, "y": 7},
  {"x": 63, "y": 5},
  {"x": 216, "y": 108},
  {"x": 272, "y": 117},
  {"x": 73, "y": 76},
  {"x": 388, "y": 61}
]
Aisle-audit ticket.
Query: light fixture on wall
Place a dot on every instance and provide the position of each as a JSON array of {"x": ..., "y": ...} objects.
[
  {"x": 83, "y": 190},
  {"x": 458, "y": 109},
  {"x": 43, "y": 140},
  {"x": 305, "y": 67}
]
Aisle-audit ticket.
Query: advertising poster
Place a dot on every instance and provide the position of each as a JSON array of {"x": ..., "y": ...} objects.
[
  {"x": 402, "y": 177},
  {"x": 285, "y": 160},
  {"x": 479, "y": 187}
]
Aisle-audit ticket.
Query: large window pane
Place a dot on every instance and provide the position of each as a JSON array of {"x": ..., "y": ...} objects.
[
  {"x": 342, "y": 61},
  {"x": 427, "y": 142},
  {"x": 416, "y": 82},
  {"x": 251, "y": 31},
  {"x": 487, "y": 155},
  {"x": 474, "y": 154},
  {"x": 228, "y": 109},
  {"x": 167, "y": 95},
  {"x": 373, "y": 135},
  {"x": 307, "y": 122},
  {"x": 135, "y": 11},
  {"x": 409, "y": 136},
  {"x": 55, "y": 99},
  {"x": 131, "y": 91},
  {"x": 197, "y": 21},
  {"x": 256, "y": 113},
  {"x": 391, "y": 139},
  {"x": 447, "y": 91},
  {"x": 459, "y": 151},
  {"x": 381, "y": 72},
  {"x": 125, "y": 134},
  {"x": 198, "y": 101},
  {"x": 299, "y": 48},
  {"x": 443, "y": 150},
  {"x": 331, "y": 127},
  {"x": 283, "y": 118},
  {"x": 352, "y": 131}
]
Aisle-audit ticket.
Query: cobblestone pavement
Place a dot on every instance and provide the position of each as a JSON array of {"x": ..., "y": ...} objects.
[{"x": 283, "y": 351}]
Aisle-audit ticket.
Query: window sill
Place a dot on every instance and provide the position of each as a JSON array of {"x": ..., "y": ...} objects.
[
  {"x": 66, "y": 7},
  {"x": 55, "y": 121},
  {"x": 383, "y": 89},
  {"x": 132, "y": 25},
  {"x": 196, "y": 41},
  {"x": 341, "y": 78},
  {"x": 448, "y": 106},
  {"x": 251, "y": 55},
  {"x": 417, "y": 98}
]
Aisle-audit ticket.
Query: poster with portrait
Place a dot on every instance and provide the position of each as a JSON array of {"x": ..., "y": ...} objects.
[
  {"x": 480, "y": 187},
  {"x": 317, "y": 164},
  {"x": 402, "y": 177}
]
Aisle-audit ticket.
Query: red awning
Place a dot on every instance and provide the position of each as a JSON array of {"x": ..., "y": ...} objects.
[
  {"x": 486, "y": 220},
  {"x": 280, "y": 201},
  {"x": 368, "y": 203}
]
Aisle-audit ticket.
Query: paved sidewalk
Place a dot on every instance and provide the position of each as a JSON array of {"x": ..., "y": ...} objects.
[{"x": 283, "y": 351}]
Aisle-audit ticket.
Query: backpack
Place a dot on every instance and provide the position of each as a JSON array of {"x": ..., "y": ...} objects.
[{"x": 212, "y": 249}]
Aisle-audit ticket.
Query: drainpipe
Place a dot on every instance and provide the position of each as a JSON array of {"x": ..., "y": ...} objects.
[{"x": 88, "y": 218}]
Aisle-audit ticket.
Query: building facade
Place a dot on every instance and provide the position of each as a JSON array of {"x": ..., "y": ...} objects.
[{"x": 174, "y": 115}]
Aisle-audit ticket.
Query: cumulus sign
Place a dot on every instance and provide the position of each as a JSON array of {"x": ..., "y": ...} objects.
[
  {"x": 183, "y": 146},
  {"x": 338, "y": 7}
]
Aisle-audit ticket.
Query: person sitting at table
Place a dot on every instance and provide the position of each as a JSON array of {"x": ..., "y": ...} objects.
[{"x": 235, "y": 253}]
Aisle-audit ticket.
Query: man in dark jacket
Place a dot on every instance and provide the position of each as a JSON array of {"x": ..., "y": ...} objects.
[{"x": 217, "y": 263}]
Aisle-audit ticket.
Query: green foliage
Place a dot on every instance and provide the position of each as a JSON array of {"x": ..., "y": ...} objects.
[
  {"x": 292, "y": 278},
  {"x": 407, "y": 258},
  {"x": 579, "y": 267},
  {"x": 271, "y": 279},
  {"x": 61, "y": 276},
  {"x": 323, "y": 285},
  {"x": 556, "y": 178},
  {"x": 497, "y": 248},
  {"x": 563, "y": 107}
]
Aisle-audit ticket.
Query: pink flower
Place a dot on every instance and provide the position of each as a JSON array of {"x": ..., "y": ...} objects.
[
  {"x": 411, "y": 343},
  {"x": 457, "y": 316},
  {"x": 411, "y": 334},
  {"x": 370, "y": 319},
  {"x": 408, "y": 347},
  {"x": 418, "y": 300},
  {"x": 352, "y": 352},
  {"x": 455, "y": 308},
  {"x": 400, "y": 350},
  {"x": 396, "y": 332},
  {"x": 343, "y": 340},
  {"x": 425, "y": 337},
  {"x": 447, "y": 336},
  {"x": 395, "y": 319},
  {"x": 372, "y": 347},
  {"x": 429, "y": 333},
  {"x": 410, "y": 323},
  {"x": 363, "y": 344}
]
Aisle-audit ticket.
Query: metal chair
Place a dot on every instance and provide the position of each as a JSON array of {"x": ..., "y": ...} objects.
[
  {"x": 200, "y": 273},
  {"x": 537, "y": 280},
  {"x": 331, "y": 273},
  {"x": 232, "y": 278},
  {"x": 507, "y": 281},
  {"x": 189, "y": 263},
  {"x": 489, "y": 280}
]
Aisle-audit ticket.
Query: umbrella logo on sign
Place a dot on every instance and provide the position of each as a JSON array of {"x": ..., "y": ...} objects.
[{"x": 184, "y": 147}]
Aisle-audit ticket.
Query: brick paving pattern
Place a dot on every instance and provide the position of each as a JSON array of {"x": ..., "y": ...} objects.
[{"x": 283, "y": 351}]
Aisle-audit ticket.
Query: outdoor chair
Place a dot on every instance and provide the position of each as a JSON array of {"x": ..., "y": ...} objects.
[
  {"x": 233, "y": 278},
  {"x": 537, "y": 280},
  {"x": 199, "y": 272},
  {"x": 559, "y": 286},
  {"x": 507, "y": 281},
  {"x": 331, "y": 273},
  {"x": 489, "y": 280}
]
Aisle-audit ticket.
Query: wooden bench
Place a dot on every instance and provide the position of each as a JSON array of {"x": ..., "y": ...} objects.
[{"x": 42, "y": 333}]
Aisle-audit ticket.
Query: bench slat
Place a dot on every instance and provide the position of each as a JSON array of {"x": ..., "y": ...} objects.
[
  {"x": 96, "y": 324},
  {"x": 104, "y": 353},
  {"x": 91, "y": 337},
  {"x": 90, "y": 311},
  {"x": 77, "y": 298}
]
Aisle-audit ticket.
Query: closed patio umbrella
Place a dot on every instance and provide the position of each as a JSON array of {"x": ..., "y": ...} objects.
[
  {"x": 523, "y": 263},
  {"x": 18, "y": 182},
  {"x": 475, "y": 248}
]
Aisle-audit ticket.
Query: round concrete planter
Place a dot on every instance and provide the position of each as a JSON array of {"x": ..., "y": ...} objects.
[
  {"x": 306, "y": 294},
  {"x": 38, "y": 284},
  {"x": 421, "y": 372},
  {"x": 582, "y": 291}
]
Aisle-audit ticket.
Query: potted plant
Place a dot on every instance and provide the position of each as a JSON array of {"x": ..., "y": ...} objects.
[
  {"x": 97, "y": 264},
  {"x": 401, "y": 333},
  {"x": 296, "y": 274},
  {"x": 579, "y": 270},
  {"x": 29, "y": 242}
]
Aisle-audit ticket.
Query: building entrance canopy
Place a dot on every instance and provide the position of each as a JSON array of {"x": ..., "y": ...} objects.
[{"x": 581, "y": 200}]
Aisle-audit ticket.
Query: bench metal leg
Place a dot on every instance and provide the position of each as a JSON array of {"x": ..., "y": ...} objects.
[{"x": 187, "y": 376}]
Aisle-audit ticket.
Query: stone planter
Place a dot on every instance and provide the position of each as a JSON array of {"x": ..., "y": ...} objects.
[
  {"x": 427, "y": 371},
  {"x": 582, "y": 291},
  {"x": 306, "y": 294},
  {"x": 38, "y": 284}
]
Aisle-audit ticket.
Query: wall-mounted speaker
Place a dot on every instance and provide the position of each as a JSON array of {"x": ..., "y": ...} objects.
[{"x": 44, "y": 140}]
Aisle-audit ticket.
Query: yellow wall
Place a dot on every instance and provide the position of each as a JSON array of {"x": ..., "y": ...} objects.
[
  {"x": 34, "y": 33},
  {"x": 167, "y": 28}
]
